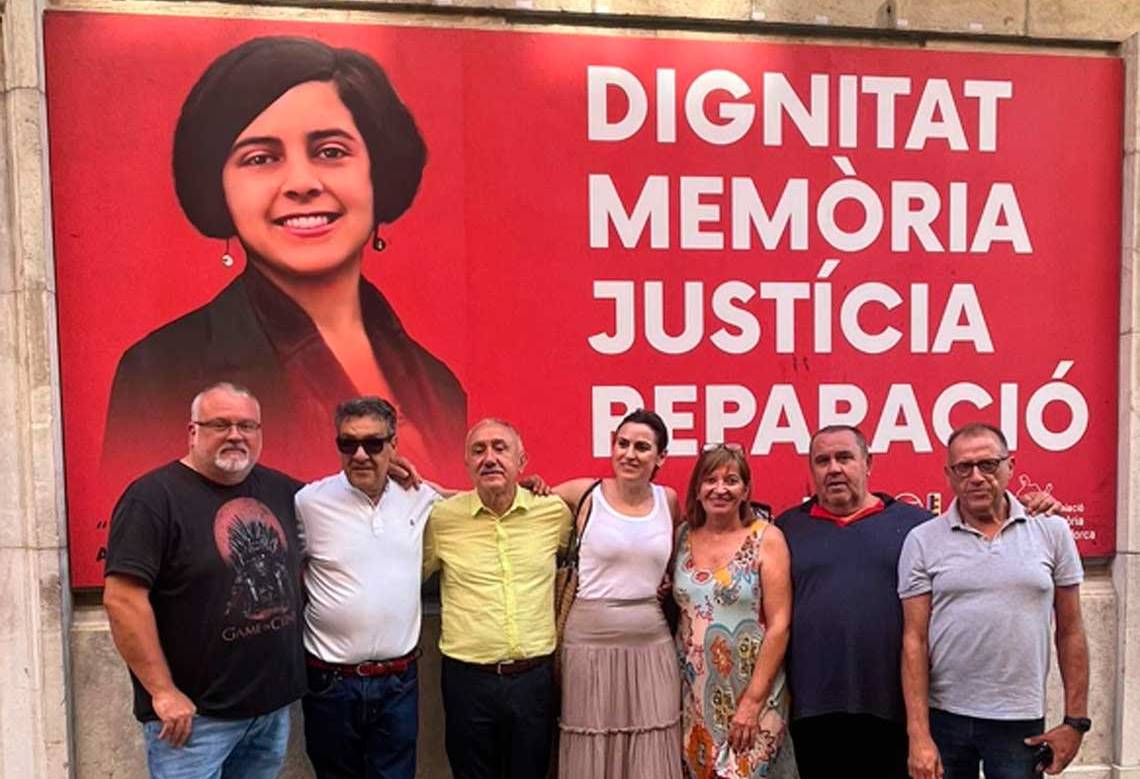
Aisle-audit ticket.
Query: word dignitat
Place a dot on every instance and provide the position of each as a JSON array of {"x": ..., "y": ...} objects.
[{"x": 202, "y": 593}]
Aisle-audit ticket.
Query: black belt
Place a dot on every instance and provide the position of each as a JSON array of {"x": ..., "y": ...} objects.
[{"x": 397, "y": 665}]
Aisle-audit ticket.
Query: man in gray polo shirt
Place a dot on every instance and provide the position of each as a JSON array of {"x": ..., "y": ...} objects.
[{"x": 979, "y": 585}]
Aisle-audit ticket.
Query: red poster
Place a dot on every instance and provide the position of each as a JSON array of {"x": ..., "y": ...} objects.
[{"x": 753, "y": 239}]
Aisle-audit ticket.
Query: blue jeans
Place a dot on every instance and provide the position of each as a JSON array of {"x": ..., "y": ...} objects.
[
  {"x": 998, "y": 745},
  {"x": 221, "y": 748},
  {"x": 362, "y": 726}
]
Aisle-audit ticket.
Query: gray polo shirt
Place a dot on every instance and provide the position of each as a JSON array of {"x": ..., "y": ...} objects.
[{"x": 991, "y": 604}]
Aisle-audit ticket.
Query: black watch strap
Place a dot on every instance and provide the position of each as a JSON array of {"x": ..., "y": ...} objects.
[{"x": 1079, "y": 724}]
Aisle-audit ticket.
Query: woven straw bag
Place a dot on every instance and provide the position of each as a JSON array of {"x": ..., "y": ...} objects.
[{"x": 566, "y": 580}]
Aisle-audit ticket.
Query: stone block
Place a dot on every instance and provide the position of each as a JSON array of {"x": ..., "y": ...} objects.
[
  {"x": 735, "y": 10},
  {"x": 23, "y": 42},
  {"x": 1126, "y": 728},
  {"x": 30, "y": 450},
  {"x": 55, "y": 694},
  {"x": 838, "y": 13},
  {"x": 991, "y": 17},
  {"x": 1109, "y": 20},
  {"x": 431, "y": 757},
  {"x": 18, "y": 719},
  {"x": 1128, "y": 486},
  {"x": 13, "y": 522},
  {"x": 1129, "y": 201},
  {"x": 38, "y": 325},
  {"x": 1098, "y": 606},
  {"x": 33, "y": 707},
  {"x": 1130, "y": 53},
  {"x": 7, "y": 267},
  {"x": 569, "y": 6},
  {"x": 108, "y": 740},
  {"x": 1080, "y": 771},
  {"x": 41, "y": 410},
  {"x": 27, "y": 165},
  {"x": 1128, "y": 476}
]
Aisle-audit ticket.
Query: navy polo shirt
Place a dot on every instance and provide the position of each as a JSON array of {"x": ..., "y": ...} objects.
[{"x": 846, "y": 637}]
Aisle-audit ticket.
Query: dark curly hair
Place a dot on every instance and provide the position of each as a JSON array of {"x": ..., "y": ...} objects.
[{"x": 246, "y": 80}]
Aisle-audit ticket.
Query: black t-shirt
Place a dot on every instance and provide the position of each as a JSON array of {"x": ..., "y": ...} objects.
[
  {"x": 223, "y": 567},
  {"x": 846, "y": 638}
]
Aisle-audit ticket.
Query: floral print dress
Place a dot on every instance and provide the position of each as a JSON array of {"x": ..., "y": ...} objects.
[{"x": 718, "y": 643}]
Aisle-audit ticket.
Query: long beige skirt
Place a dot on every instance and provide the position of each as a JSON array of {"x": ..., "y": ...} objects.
[{"x": 621, "y": 693}]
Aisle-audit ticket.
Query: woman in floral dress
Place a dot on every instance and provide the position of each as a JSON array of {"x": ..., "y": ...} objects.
[{"x": 731, "y": 580}]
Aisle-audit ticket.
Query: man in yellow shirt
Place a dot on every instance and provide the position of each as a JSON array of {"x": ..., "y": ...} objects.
[{"x": 495, "y": 548}]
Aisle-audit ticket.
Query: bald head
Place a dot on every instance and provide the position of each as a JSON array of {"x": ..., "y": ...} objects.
[
  {"x": 494, "y": 457},
  {"x": 495, "y": 422},
  {"x": 227, "y": 387}
]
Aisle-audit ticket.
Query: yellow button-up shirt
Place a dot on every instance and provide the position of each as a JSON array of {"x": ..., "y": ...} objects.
[{"x": 496, "y": 575}]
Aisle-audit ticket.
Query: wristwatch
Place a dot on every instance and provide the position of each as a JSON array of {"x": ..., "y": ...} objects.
[{"x": 1079, "y": 724}]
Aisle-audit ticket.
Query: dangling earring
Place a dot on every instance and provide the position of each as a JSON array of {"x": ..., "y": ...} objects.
[
  {"x": 227, "y": 258},
  {"x": 378, "y": 243}
]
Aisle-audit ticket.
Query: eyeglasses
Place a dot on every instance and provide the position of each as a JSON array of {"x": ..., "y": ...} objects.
[
  {"x": 730, "y": 446},
  {"x": 372, "y": 445},
  {"x": 988, "y": 467},
  {"x": 244, "y": 426}
]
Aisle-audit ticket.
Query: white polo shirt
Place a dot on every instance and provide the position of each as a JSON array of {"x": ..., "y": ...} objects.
[{"x": 362, "y": 574}]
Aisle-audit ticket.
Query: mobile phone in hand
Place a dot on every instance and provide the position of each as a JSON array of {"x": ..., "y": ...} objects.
[{"x": 1042, "y": 758}]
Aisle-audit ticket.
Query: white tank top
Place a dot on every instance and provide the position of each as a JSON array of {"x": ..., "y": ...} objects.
[{"x": 624, "y": 557}]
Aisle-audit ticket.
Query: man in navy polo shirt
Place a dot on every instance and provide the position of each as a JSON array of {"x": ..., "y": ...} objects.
[{"x": 843, "y": 656}]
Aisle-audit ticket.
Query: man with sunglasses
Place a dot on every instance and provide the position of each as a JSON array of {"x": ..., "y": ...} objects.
[
  {"x": 979, "y": 586},
  {"x": 364, "y": 547},
  {"x": 203, "y": 598}
]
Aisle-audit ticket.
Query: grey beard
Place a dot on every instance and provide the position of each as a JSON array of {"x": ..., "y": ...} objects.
[{"x": 231, "y": 462}]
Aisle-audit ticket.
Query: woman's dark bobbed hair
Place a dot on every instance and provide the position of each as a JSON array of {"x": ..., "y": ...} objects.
[{"x": 244, "y": 81}]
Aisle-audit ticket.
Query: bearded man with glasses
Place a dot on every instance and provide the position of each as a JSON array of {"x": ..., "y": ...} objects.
[
  {"x": 202, "y": 593},
  {"x": 363, "y": 551},
  {"x": 979, "y": 586}
]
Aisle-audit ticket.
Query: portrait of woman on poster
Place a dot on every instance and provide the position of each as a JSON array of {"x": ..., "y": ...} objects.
[{"x": 297, "y": 153}]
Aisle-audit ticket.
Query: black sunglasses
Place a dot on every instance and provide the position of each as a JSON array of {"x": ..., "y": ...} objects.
[{"x": 372, "y": 445}]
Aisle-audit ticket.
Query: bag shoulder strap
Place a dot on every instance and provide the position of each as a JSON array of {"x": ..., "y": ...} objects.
[{"x": 576, "y": 536}]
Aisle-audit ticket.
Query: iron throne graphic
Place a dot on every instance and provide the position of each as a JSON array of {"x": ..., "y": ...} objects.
[{"x": 251, "y": 540}]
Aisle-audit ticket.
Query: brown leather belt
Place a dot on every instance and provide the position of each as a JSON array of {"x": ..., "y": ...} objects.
[
  {"x": 397, "y": 665},
  {"x": 511, "y": 667}
]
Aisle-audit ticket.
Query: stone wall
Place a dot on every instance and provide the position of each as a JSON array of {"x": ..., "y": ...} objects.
[
  {"x": 35, "y": 731},
  {"x": 64, "y": 705}
]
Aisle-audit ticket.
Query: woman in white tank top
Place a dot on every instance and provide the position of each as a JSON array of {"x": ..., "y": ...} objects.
[{"x": 621, "y": 688}]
